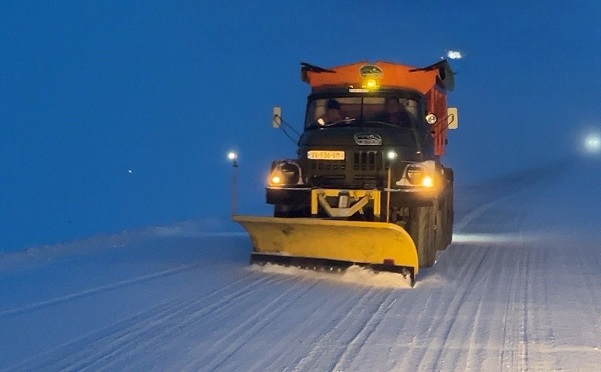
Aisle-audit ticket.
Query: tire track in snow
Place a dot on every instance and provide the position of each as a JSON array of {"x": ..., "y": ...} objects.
[
  {"x": 191, "y": 328},
  {"x": 486, "y": 338},
  {"x": 444, "y": 345},
  {"x": 514, "y": 351},
  {"x": 360, "y": 339},
  {"x": 580, "y": 292},
  {"x": 126, "y": 325},
  {"x": 541, "y": 322},
  {"x": 178, "y": 323},
  {"x": 472, "y": 215},
  {"x": 433, "y": 329},
  {"x": 97, "y": 290},
  {"x": 496, "y": 329},
  {"x": 244, "y": 332},
  {"x": 85, "y": 350},
  {"x": 338, "y": 336},
  {"x": 433, "y": 356},
  {"x": 423, "y": 319},
  {"x": 593, "y": 300},
  {"x": 523, "y": 349},
  {"x": 452, "y": 352},
  {"x": 309, "y": 330},
  {"x": 473, "y": 360},
  {"x": 507, "y": 350},
  {"x": 427, "y": 348},
  {"x": 324, "y": 341},
  {"x": 75, "y": 352}
]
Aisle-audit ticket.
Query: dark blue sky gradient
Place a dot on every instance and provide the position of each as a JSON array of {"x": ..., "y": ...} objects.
[{"x": 91, "y": 90}]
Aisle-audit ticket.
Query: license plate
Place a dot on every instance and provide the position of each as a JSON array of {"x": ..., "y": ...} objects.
[{"x": 325, "y": 155}]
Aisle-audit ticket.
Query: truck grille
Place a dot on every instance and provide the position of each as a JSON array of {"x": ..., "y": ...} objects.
[
  {"x": 360, "y": 169},
  {"x": 368, "y": 161},
  {"x": 359, "y": 161}
]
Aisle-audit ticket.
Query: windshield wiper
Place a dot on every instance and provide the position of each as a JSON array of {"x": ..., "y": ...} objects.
[{"x": 346, "y": 121}]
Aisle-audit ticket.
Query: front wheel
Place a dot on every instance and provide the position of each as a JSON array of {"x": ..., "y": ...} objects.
[{"x": 421, "y": 226}]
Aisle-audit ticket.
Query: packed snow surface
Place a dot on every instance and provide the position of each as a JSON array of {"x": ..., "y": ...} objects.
[{"x": 519, "y": 289}]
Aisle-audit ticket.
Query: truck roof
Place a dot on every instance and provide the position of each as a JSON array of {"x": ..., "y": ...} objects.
[{"x": 383, "y": 74}]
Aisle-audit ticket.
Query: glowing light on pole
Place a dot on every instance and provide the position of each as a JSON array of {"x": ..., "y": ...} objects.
[{"x": 233, "y": 157}]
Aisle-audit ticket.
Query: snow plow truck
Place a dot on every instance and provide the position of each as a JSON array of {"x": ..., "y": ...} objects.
[{"x": 368, "y": 187}]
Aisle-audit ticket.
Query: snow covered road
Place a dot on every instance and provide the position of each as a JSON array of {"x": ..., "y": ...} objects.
[{"x": 519, "y": 289}]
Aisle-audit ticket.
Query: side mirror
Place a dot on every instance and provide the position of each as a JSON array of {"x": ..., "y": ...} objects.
[
  {"x": 452, "y": 118},
  {"x": 276, "y": 117}
]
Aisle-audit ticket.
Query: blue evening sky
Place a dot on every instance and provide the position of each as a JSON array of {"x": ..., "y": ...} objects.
[{"x": 116, "y": 115}]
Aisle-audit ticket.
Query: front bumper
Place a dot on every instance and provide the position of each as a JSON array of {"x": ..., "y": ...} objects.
[{"x": 398, "y": 197}]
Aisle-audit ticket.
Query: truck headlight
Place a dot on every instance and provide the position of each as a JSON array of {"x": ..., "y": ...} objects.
[
  {"x": 285, "y": 173},
  {"x": 420, "y": 175},
  {"x": 276, "y": 179},
  {"x": 427, "y": 181},
  {"x": 415, "y": 174}
]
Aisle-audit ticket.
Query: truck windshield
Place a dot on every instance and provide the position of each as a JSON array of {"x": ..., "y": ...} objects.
[{"x": 355, "y": 110}]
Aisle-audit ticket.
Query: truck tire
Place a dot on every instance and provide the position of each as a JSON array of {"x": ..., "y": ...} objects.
[
  {"x": 440, "y": 224},
  {"x": 450, "y": 214},
  {"x": 421, "y": 228},
  {"x": 446, "y": 222}
]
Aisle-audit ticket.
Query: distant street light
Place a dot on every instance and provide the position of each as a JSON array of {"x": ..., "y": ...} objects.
[
  {"x": 592, "y": 143},
  {"x": 233, "y": 157}
]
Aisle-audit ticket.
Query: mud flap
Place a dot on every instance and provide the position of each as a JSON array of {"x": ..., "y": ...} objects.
[{"x": 382, "y": 246}]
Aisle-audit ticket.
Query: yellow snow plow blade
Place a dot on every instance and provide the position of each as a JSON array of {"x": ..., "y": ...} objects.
[{"x": 335, "y": 243}]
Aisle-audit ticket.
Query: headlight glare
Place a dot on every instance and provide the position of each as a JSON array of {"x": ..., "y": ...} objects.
[
  {"x": 276, "y": 180},
  {"x": 427, "y": 181}
]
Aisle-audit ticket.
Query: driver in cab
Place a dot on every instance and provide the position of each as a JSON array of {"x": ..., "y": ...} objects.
[
  {"x": 333, "y": 113},
  {"x": 394, "y": 113}
]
